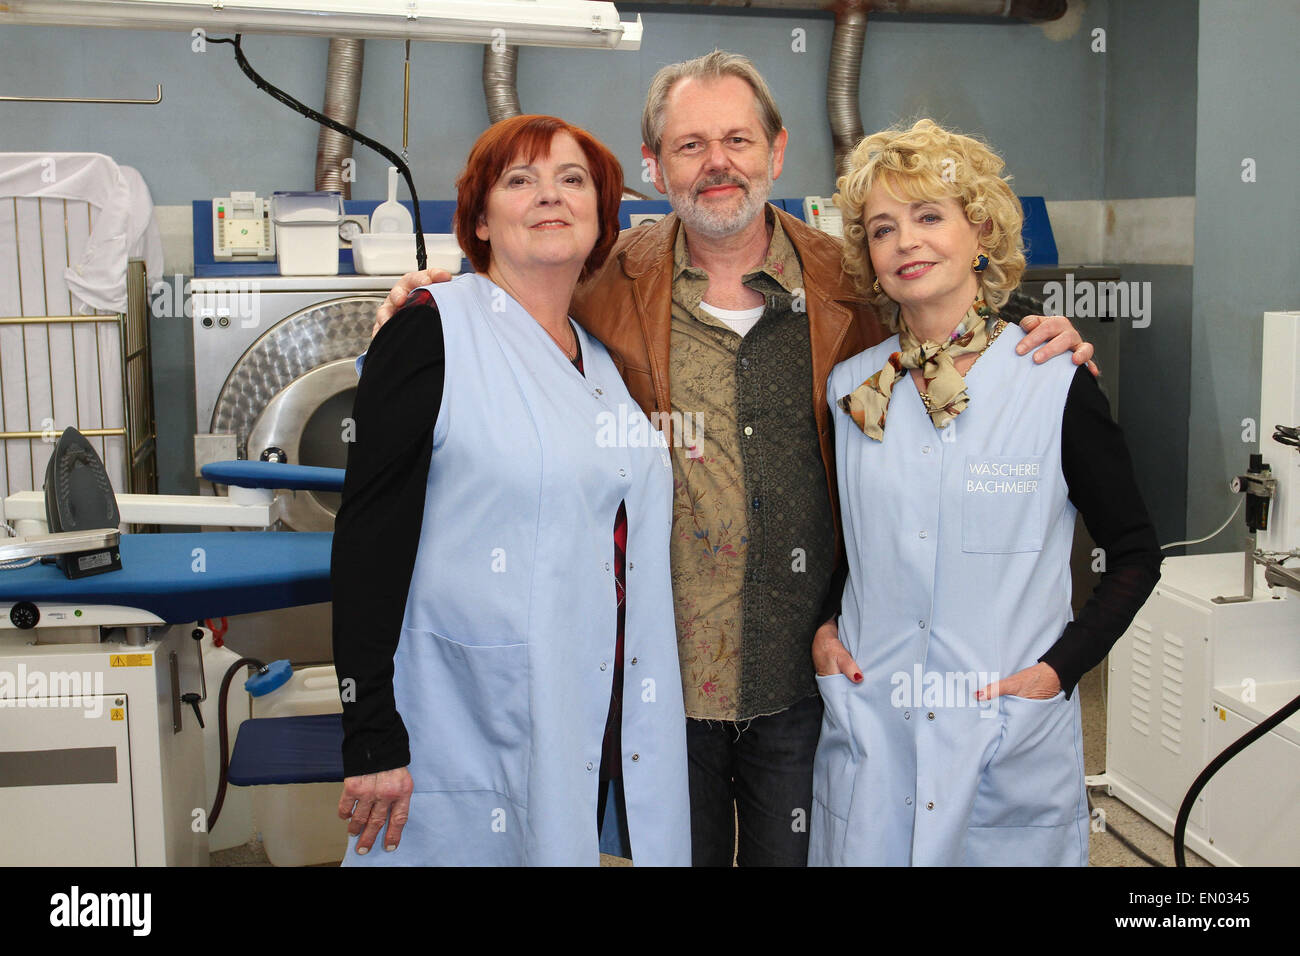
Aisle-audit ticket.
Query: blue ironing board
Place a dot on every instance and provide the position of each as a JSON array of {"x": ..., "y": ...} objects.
[
  {"x": 243, "y": 572},
  {"x": 270, "y": 474}
]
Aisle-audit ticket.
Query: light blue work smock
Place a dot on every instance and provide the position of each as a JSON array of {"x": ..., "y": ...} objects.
[
  {"x": 958, "y": 544},
  {"x": 504, "y": 670}
]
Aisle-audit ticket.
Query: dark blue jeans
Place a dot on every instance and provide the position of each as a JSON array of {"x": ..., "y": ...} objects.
[{"x": 757, "y": 774}]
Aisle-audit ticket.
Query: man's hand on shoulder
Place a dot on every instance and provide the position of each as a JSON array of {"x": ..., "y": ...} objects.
[
  {"x": 1055, "y": 334},
  {"x": 397, "y": 295}
]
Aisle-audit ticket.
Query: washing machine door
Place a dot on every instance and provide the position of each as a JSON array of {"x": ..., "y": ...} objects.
[{"x": 293, "y": 390}]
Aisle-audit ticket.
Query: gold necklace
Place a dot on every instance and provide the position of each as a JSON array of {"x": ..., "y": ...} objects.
[{"x": 570, "y": 352}]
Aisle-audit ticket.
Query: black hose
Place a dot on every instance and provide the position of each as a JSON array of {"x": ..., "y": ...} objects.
[
  {"x": 421, "y": 256},
  {"x": 223, "y": 747},
  {"x": 1125, "y": 841},
  {"x": 1236, "y": 747}
]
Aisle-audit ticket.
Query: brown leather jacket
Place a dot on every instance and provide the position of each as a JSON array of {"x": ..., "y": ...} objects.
[{"x": 627, "y": 304}]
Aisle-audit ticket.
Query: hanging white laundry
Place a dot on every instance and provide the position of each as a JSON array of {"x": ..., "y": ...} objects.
[{"x": 124, "y": 225}]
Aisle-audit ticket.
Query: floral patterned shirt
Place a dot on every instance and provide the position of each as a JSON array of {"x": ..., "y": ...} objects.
[{"x": 752, "y": 546}]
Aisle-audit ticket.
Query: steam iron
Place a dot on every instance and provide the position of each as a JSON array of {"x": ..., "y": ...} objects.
[{"x": 79, "y": 497}]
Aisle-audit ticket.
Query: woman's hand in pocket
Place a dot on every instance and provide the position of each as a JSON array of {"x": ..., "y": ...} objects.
[
  {"x": 1033, "y": 683},
  {"x": 831, "y": 657},
  {"x": 371, "y": 800}
]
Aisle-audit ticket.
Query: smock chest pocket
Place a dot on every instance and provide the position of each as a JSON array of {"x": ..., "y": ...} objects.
[{"x": 1002, "y": 502}]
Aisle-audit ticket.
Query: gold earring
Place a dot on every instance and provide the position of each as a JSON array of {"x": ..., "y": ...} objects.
[{"x": 875, "y": 285}]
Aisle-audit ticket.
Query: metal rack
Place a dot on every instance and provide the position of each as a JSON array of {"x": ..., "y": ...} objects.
[{"x": 58, "y": 368}]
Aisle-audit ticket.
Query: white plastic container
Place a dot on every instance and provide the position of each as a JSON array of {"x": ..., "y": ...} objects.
[
  {"x": 393, "y": 254},
  {"x": 299, "y": 822},
  {"x": 307, "y": 232}
]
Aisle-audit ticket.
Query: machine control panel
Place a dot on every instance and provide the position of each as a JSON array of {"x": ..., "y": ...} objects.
[
  {"x": 241, "y": 228},
  {"x": 822, "y": 213}
]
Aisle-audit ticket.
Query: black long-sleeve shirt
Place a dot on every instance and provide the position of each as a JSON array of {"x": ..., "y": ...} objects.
[
  {"x": 377, "y": 529},
  {"x": 1099, "y": 474}
]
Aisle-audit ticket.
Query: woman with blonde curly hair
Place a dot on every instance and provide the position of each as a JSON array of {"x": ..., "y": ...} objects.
[{"x": 954, "y": 736}]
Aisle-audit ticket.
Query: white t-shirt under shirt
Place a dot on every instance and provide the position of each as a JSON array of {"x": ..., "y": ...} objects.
[{"x": 739, "y": 321}]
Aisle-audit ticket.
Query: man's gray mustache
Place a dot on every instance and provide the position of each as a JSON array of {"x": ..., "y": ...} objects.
[{"x": 722, "y": 181}]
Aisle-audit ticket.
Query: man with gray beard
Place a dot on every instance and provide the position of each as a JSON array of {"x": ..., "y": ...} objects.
[{"x": 735, "y": 312}]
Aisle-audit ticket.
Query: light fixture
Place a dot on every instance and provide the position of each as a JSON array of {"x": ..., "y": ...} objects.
[{"x": 562, "y": 23}]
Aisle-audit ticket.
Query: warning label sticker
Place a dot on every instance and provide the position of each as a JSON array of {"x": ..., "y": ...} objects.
[{"x": 131, "y": 660}]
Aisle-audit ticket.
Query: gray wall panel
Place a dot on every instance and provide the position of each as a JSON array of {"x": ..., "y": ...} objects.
[{"x": 1247, "y": 235}]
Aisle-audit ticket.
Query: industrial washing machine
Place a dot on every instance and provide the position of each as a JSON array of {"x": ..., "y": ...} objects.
[{"x": 274, "y": 368}]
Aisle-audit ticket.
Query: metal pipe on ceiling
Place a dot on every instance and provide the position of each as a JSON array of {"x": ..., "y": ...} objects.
[
  {"x": 500, "y": 81},
  {"x": 334, "y": 166}
]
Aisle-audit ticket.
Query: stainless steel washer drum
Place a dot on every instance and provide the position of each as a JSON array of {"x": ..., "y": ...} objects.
[{"x": 284, "y": 378}]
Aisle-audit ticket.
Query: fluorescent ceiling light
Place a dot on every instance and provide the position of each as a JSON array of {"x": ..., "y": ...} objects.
[{"x": 563, "y": 23}]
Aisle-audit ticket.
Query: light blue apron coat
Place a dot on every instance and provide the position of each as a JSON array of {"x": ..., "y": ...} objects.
[
  {"x": 959, "y": 545},
  {"x": 504, "y": 669}
]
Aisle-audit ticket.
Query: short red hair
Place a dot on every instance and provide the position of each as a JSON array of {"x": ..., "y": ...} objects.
[{"x": 530, "y": 136}]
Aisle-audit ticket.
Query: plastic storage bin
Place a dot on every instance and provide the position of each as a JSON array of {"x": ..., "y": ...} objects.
[
  {"x": 393, "y": 254},
  {"x": 307, "y": 232},
  {"x": 299, "y": 822}
]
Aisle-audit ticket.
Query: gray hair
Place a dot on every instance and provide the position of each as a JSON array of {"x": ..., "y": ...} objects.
[{"x": 714, "y": 66}]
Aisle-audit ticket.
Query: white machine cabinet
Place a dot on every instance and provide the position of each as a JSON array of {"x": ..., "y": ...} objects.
[
  {"x": 95, "y": 737},
  {"x": 1192, "y": 675},
  {"x": 1188, "y": 678},
  {"x": 71, "y": 764}
]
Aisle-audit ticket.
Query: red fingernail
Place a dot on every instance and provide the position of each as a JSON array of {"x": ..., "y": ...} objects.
[{"x": 857, "y": 678}]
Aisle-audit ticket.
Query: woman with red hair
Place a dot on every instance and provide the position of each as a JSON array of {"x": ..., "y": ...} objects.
[{"x": 500, "y": 567}]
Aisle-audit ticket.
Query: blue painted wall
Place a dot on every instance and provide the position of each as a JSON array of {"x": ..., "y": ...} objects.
[
  {"x": 1247, "y": 237},
  {"x": 1039, "y": 101},
  {"x": 1150, "y": 151}
]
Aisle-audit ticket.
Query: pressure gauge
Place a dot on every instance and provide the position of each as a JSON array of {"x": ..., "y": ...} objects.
[{"x": 349, "y": 229}]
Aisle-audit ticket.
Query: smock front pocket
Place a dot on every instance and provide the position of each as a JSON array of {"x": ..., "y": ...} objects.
[
  {"x": 1035, "y": 777},
  {"x": 1002, "y": 504},
  {"x": 466, "y": 713},
  {"x": 835, "y": 763}
]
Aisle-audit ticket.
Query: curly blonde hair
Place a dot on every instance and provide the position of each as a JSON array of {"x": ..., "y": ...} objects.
[{"x": 928, "y": 162}]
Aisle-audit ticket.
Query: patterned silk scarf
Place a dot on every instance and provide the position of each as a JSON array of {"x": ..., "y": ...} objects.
[{"x": 945, "y": 396}]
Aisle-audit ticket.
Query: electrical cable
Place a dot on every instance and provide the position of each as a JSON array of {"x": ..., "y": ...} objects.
[
  {"x": 1240, "y": 502},
  {"x": 1125, "y": 841},
  {"x": 421, "y": 256},
  {"x": 1215, "y": 765}
]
